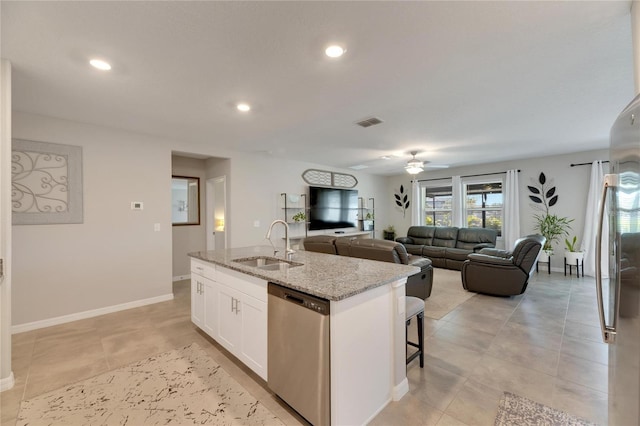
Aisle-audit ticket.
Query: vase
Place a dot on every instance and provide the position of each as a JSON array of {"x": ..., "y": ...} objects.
[
  {"x": 573, "y": 257},
  {"x": 544, "y": 256}
]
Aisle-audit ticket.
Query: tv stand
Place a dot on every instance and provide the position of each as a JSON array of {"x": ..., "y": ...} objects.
[{"x": 356, "y": 234}]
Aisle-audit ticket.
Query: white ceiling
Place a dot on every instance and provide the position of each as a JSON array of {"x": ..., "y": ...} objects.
[{"x": 461, "y": 82}]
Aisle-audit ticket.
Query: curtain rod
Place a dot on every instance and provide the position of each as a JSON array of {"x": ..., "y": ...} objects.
[
  {"x": 587, "y": 164},
  {"x": 466, "y": 176}
]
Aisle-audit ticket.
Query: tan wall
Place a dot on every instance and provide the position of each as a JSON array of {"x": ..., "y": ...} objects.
[
  {"x": 115, "y": 256},
  {"x": 188, "y": 238}
]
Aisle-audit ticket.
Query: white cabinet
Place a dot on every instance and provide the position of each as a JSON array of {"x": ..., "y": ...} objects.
[
  {"x": 203, "y": 297},
  {"x": 197, "y": 300},
  {"x": 229, "y": 318},
  {"x": 242, "y": 318},
  {"x": 254, "y": 334},
  {"x": 231, "y": 307}
]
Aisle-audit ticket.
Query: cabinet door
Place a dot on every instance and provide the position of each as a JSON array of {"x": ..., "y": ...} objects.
[
  {"x": 197, "y": 300},
  {"x": 254, "y": 334},
  {"x": 210, "y": 320},
  {"x": 229, "y": 318}
]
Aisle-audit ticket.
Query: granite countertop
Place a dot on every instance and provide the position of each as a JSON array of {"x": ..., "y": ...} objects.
[{"x": 327, "y": 276}]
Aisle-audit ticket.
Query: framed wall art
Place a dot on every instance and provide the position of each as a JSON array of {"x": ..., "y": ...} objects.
[{"x": 46, "y": 183}]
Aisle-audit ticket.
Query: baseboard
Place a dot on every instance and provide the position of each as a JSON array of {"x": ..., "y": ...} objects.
[
  {"x": 400, "y": 390},
  {"x": 7, "y": 383},
  {"x": 20, "y": 328},
  {"x": 181, "y": 277}
]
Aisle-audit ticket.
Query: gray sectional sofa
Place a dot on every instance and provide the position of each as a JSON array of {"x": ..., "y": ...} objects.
[
  {"x": 447, "y": 247},
  {"x": 418, "y": 285}
]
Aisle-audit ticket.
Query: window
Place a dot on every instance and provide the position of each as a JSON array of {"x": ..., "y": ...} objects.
[
  {"x": 484, "y": 206},
  {"x": 185, "y": 200},
  {"x": 438, "y": 206}
]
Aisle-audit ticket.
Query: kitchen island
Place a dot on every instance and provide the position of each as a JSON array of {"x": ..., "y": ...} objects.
[{"x": 367, "y": 318}]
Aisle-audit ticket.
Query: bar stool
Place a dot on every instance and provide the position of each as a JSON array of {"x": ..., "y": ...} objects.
[{"x": 415, "y": 308}]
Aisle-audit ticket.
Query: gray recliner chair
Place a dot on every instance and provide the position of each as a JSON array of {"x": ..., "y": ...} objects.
[{"x": 500, "y": 272}]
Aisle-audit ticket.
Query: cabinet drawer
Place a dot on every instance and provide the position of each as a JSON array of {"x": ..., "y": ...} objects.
[
  {"x": 254, "y": 287},
  {"x": 204, "y": 269}
]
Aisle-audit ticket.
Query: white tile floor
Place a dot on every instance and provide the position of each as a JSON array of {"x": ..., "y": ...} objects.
[{"x": 543, "y": 345}]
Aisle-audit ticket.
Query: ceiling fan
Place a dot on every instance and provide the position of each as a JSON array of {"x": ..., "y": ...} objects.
[{"x": 415, "y": 166}]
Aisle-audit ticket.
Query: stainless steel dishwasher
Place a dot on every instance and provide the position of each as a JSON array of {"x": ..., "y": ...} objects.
[{"x": 298, "y": 352}]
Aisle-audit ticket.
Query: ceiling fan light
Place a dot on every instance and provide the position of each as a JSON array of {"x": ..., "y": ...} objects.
[{"x": 414, "y": 166}]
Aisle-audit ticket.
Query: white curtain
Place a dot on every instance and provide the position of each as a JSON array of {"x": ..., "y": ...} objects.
[
  {"x": 415, "y": 203},
  {"x": 457, "y": 201},
  {"x": 591, "y": 224},
  {"x": 511, "y": 220}
]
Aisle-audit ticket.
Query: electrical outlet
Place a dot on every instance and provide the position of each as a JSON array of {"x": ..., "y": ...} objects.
[
  {"x": 136, "y": 205},
  {"x": 256, "y": 224},
  {"x": 156, "y": 227}
]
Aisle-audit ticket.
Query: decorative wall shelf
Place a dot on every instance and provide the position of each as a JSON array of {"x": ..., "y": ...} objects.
[{"x": 331, "y": 179}]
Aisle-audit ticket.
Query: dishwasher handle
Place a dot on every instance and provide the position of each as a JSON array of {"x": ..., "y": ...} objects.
[
  {"x": 294, "y": 299},
  {"x": 304, "y": 300}
]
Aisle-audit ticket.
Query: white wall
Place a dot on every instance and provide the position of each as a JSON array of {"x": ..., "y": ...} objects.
[
  {"x": 114, "y": 257},
  {"x": 188, "y": 238},
  {"x": 572, "y": 187},
  {"x": 255, "y": 188}
]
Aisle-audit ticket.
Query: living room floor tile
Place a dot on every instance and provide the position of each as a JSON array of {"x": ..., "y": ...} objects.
[{"x": 467, "y": 366}]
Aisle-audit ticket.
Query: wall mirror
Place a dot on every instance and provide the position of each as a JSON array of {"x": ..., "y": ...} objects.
[{"x": 185, "y": 200}]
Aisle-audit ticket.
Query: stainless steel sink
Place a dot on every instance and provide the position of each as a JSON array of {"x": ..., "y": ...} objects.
[{"x": 267, "y": 263}]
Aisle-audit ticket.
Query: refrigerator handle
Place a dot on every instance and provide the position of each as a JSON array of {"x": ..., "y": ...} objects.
[{"x": 608, "y": 332}]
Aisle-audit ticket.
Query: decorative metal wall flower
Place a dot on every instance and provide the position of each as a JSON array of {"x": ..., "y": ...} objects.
[
  {"x": 551, "y": 226},
  {"x": 402, "y": 200}
]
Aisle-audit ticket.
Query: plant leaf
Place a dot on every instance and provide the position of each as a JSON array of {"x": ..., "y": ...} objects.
[
  {"x": 535, "y": 199},
  {"x": 533, "y": 189},
  {"x": 550, "y": 192},
  {"x": 399, "y": 203},
  {"x": 553, "y": 201},
  {"x": 397, "y": 197},
  {"x": 401, "y": 189},
  {"x": 542, "y": 178},
  {"x": 405, "y": 198},
  {"x": 406, "y": 206}
]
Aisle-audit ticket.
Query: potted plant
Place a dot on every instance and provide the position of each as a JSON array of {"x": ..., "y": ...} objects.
[
  {"x": 573, "y": 254},
  {"x": 551, "y": 226},
  {"x": 299, "y": 217},
  {"x": 389, "y": 233}
]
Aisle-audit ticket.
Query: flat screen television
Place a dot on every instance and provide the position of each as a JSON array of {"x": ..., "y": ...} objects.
[{"x": 332, "y": 208}]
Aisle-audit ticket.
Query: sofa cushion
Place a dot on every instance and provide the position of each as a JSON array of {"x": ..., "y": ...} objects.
[
  {"x": 343, "y": 246},
  {"x": 414, "y": 249},
  {"x": 320, "y": 244},
  {"x": 384, "y": 250},
  {"x": 433, "y": 252},
  {"x": 457, "y": 253},
  {"x": 468, "y": 238},
  {"x": 445, "y": 236},
  {"x": 421, "y": 262},
  {"x": 421, "y": 235}
]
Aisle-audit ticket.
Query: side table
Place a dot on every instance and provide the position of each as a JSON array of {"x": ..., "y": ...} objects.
[
  {"x": 548, "y": 266},
  {"x": 579, "y": 263}
]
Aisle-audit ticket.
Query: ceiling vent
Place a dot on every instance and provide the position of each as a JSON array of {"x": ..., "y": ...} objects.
[{"x": 369, "y": 122}]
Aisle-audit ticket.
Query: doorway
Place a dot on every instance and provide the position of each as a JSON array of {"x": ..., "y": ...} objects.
[{"x": 216, "y": 216}]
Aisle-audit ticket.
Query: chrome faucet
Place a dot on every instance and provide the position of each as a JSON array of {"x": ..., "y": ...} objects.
[{"x": 288, "y": 251}]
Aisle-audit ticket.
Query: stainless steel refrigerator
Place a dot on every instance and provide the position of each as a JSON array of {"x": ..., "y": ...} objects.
[{"x": 619, "y": 296}]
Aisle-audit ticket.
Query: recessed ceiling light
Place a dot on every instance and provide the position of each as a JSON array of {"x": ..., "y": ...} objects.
[
  {"x": 243, "y": 107},
  {"x": 385, "y": 157},
  {"x": 334, "y": 51},
  {"x": 100, "y": 64}
]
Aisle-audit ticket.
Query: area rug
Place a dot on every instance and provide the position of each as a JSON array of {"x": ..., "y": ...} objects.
[
  {"x": 446, "y": 293},
  {"x": 517, "y": 410},
  {"x": 179, "y": 387}
]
